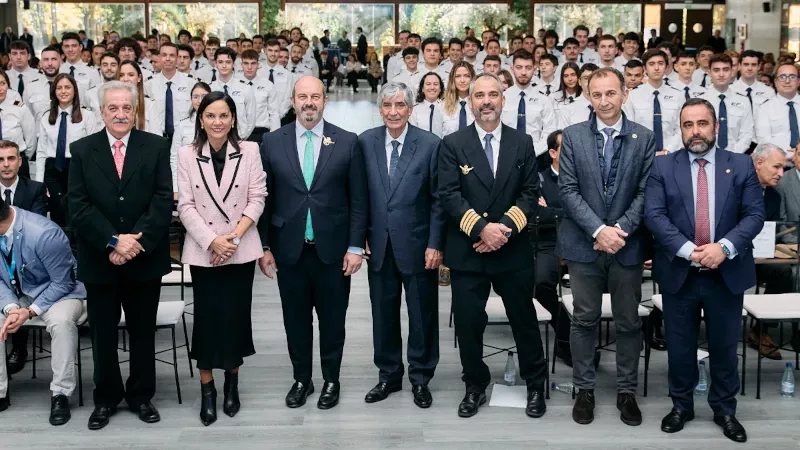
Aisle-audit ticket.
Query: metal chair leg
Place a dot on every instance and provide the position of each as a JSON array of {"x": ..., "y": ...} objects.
[
  {"x": 41, "y": 340},
  {"x": 175, "y": 365},
  {"x": 546, "y": 345},
  {"x": 188, "y": 349},
  {"x": 758, "y": 373},
  {"x": 80, "y": 375},
  {"x": 555, "y": 338},
  {"x": 33, "y": 353},
  {"x": 744, "y": 352}
]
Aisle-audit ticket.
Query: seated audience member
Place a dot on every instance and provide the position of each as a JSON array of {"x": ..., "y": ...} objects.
[
  {"x": 789, "y": 189},
  {"x": 43, "y": 285}
]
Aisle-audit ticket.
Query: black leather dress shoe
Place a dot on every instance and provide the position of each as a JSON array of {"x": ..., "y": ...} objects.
[
  {"x": 231, "y": 403},
  {"x": 16, "y": 360},
  {"x": 470, "y": 404},
  {"x": 299, "y": 393},
  {"x": 329, "y": 396},
  {"x": 100, "y": 417},
  {"x": 422, "y": 396},
  {"x": 657, "y": 342},
  {"x": 147, "y": 412},
  {"x": 675, "y": 420},
  {"x": 629, "y": 410},
  {"x": 583, "y": 410},
  {"x": 381, "y": 391},
  {"x": 731, "y": 428},
  {"x": 5, "y": 402},
  {"x": 59, "y": 410},
  {"x": 208, "y": 403},
  {"x": 536, "y": 406}
]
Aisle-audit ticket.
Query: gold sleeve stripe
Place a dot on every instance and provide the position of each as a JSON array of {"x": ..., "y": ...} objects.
[
  {"x": 468, "y": 220},
  {"x": 518, "y": 217}
]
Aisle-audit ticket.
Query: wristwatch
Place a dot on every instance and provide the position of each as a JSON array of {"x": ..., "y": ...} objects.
[
  {"x": 31, "y": 313},
  {"x": 113, "y": 241},
  {"x": 725, "y": 250},
  {"x": 507, "y": 234},
  {"x": 236, "y": 241}
]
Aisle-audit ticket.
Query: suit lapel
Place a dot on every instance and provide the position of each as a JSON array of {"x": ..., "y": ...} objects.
[
  {"x": 19, "y": 194},
  {"x": 325, "y": 151},
  {"x": 133, "y": 155},
  {"x": 104, "y": 158},
  {"x": 794, "y": 187},
  {"x": 230, "y": 171},
  {"x": 290, "y": 148},
  {"x": 722, "y": 183},
  {"x": 477, "y": 158},
  {"x": 206, "y": 169},
  {"x": 17, "y": 247},
  {"x": 683, "y": 179},
  {"x": 594, "y": 154},
  {"x": 506, "y": 160},
  {"x": 380, "y": 160},
  {"x": 406, "y": 153}
]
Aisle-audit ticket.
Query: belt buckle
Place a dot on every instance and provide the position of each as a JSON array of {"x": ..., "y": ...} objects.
[{"x": 308, "y": 242}]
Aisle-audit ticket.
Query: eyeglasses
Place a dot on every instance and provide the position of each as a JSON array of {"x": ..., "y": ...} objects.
[{"x": 787, "y": 77}]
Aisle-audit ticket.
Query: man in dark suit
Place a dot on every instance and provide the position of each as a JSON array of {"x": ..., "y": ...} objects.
[
  {"x": 31, "y": 196},
  {"x": 654, "y": 40},
  {"x": 704, "y": 259},
  {"x": 120, "y": 199},
  {"x": 361, "y": 46},
  {"x": 313, "y": 231},
  {"x": 27, "y": 37},
  {"x": 602, "y": 239},
  {"x": 87, "y": 43},
  {"x": 405, "y": 238},
  {"x": 488, "y": 186}
]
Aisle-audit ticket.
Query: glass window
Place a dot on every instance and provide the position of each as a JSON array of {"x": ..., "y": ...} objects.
[
  {"x": 613, "y": 18},
  {"x": 224, "y": 20},
  {"x": 45, "y": 20},
  {"x": 448, "y": 20},
  {"x": 377, "y": 21}
]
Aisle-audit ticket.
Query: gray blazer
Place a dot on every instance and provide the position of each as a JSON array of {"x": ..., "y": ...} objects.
[
  {"x": 44, "y": 263},
  {"x": 789, "y": 189},
  {"x": 586, "y": 204}
]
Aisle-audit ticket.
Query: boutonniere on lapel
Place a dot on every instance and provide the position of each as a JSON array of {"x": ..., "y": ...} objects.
[
  {"x": 326, "y": 140},
  {"x": 465, "y": 169}
]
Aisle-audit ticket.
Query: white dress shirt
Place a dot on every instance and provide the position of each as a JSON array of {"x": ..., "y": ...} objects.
[
  {"x": 48, "y": 136},
  {"x": 759, "y": 92},
  {"x": 184, "y": 135},
  {"x": 621, "y": 60},
  {"x": 181, "y": 87},
  {"x": 13, "y": 189},
  {"x": 87, "y": 77},
  {"x": 450, "y": 123},
  {"x": 640, "y": 109},
  {"x": 242, "y": 94},
  {"x": 389, "y": 148},
  {"x": 421, "y": 117},
  {"x": 699, "y": 75},
  {"x": 740, "y": 118},
  {"x": 112, "y": 140},
  {"x": 617, "y": 129},
  {"x": 18, "y": 124},
  {"x": 411, "y": 79},
  {"x": 494, "y": 142},
  {"x": 772, "y": 122},
  {"x": 694, "y": 90},
  {"x": 266, "y": 100},
  {"x": 540, "y": 119},
  {"x": 576, "y": 112},
  {"x": 284, "y": 83}
]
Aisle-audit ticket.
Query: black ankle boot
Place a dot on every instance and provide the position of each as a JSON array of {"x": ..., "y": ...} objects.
[
  {"x": 208, "y": 403},
  {"x": 231, "y": 405}
]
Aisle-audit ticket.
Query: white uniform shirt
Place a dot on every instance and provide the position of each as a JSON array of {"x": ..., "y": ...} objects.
[
  {"x": 759, "y": 92},
  {"x": 395, "y": 66},
  {"x": 576, "y": 112},
  {"x": 588, "y": 56},
  {"x": 639, "y": 109},
  {"x": 560, "y": 103},
  {"x": 411, "y": 79},
  {"x": 701, "y": 78},
  {"x": 299, "y": 70},
  {"x": 740, "y": 118},
  {"x": 199, "y": 63},
  {"x": 450, "y": 123},
  {"x": 245, "y": 100},
  {"x": 772, "y": 121},
  {"x": 184, "y": 135},
  {"x": 18, "y": 125},
  {"x": 207, "y": 74},
  {"x": 429, "y": 117},
  {"x": 693, "y": 89},
  {"x": 48, "y": 135},
  {"x": 284, "y": 83},
  {"x": 540, "y": 119},
  {"x": 87, "y": 77},
  {"x": 181, "y": 87},
  {"x": 621, "y": 60},
  {"x": 266, "y": 101}
]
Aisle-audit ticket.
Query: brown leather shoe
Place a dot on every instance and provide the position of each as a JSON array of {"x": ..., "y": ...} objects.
[
  {"x": 444, "y": 276},
  {"x": 768, "y": 348}
]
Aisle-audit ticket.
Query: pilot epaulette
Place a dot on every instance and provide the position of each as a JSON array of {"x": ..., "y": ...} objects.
[
  {"x": 18, "y": 103},
  {"x": 190, "y": 75},
  {"x": 242, "y": 81},
  {"x": 86, "y": 108},
  {"x": 149, "y": 78}
]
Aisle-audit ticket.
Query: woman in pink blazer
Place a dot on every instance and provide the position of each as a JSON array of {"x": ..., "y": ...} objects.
[{"x": 221, "y": 194}]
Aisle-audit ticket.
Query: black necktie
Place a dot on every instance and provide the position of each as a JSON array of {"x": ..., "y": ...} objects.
[
  {"x": 7, "y": 196},
  {"x": 225, "y": 88},
  {"x": 72, "y": 71},
  {"x": 686, "y": 90},
  {"x": 271, "y": 80},
  {"x": 249, "y": 83},
  {"x": 430, "y": 121},
  {"x": 21, "y": 85},
  {"x": 213, "y": 75},
  {"x": 703, "y": 83},
  {"x": 794, "y": 134},
  {"x": 581, "y": 57},
  {"x": 196, "y": 64},
  {"x": 462, "y": 115},
  {"x": 294, "y": 69},
  {"x": 657, "y": 129},
  {"x": 547, "y": 86},
  {"x": 169, "y": 124},
  {"x": 722, "y": 135},
  {"x": 61, "y": 143},
  {"x": 750, "y": 97}
]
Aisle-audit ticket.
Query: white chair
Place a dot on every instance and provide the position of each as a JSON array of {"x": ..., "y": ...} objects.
[
  {"x": 607, "y": 316},
  {"x": 168, "y": 316},
  {"x": 772, "y": 308},
  {"x": 658, "y": 303}
]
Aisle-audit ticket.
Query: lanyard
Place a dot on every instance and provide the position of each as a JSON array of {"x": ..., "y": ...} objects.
[{"x": 12, "y": 269}]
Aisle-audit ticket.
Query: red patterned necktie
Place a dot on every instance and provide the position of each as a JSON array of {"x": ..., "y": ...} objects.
[
  {"x": 119, "y": 158},
  {"x": 702, "y": 224}
]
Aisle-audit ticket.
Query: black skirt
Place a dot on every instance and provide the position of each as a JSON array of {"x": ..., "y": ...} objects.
[{"x": 223, "y": 334}]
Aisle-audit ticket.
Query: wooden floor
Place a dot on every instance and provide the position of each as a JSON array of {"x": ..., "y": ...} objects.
[{"x": 265, "y": 423}]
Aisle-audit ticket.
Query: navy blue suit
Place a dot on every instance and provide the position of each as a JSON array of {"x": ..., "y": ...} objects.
[
  {"x": 405, "y": 219},
  {"x": 738, "y": 216},
  {"x": 310, "y": 275}
]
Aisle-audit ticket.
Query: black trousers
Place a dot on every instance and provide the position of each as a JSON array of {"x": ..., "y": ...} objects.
[
  {"x": 258, "y": 134},
  {"x": 56, "y": 183},
  {"x": 373, "y": 82},
  {"x": 312, "y": 285},
  {"x": 547, "y": 292},
  {"x": 723, "y": 317},
  {"x": 470, "y": 293},
  {"x": 352, "y": 78},
  {"x": 422, "y": 301},
  {"x": 139, "y": 300}
]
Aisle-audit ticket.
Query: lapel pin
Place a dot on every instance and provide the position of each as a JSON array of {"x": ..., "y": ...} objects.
[
  {"x": 327, "y": 141},
  {"x": 727, "y": 170},
  {"x": 634, "y": 135},
  {"x": 465, "y": 169}
]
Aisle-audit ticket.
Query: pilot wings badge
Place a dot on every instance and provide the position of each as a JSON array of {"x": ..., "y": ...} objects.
[{"x": 465, "y": 170}]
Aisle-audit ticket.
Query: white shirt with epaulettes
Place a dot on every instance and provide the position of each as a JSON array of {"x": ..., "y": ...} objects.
[
  {"x": 284, "y": 83},
  {"x": 184, "y": 135},
  {"x": 450, "y": 122},
  {"x": 37, "y": 90},
  {"x": 245, "y": 101},
  {"x": 421, "y": 117},
  {"x": 48, "y": 135},
  {"x": 18, "y": 124},
  {"x": 575, "y": 112},
  {"x": 772, "y": 122},
  {"x": 639, "y": 109},
  {"x": 560, "y": 103},
  {"x": 266, "y": 115},
  {"x": 181, "y": 87},
  {"x": 740, "y": 118},
  {"x": 540, "y": 119},
  {"x": 759, "y": 91},
  {"x": 86, "y": 76},
  {"x": 694, "y": 89}
]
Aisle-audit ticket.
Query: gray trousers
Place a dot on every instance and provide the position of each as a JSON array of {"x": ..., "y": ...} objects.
[
  {"x": 588, "y": 282},
  {"x": 61, "y": 321}
]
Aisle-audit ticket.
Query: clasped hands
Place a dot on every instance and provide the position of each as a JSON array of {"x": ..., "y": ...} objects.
[
  {"x": 15, "y": 319},
  {"x": 492, "y": 237},
  {"x": 128, "y": 247},
  {"x": 708, "y": 255},
  {"x": 222, "y": 248},
  {"x": 610, "y": 240}
]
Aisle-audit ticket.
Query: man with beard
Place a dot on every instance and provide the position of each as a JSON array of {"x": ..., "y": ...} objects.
[
  {"x": 525, "y": 108},
  {"x": 313, "y": 233},
  {"x": 109, "y": 67},
  {"x": 704, "y": 206},
  {"x": 38, "y": 97},
  {"x": 488, "y": 187}
]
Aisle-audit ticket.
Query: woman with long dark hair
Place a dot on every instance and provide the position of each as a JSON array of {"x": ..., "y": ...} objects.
[
  {"x": 65, "y": 122},
  {"x": 427, "y": 113},
  {"x": 569, "y": 87},
  {"x": 221, "y": 192}
]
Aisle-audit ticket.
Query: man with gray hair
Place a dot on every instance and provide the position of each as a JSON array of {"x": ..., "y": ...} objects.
[
  {"x": 405, "y": 235},
  {"x": 120, "y": 199},
  {"x": 488, "y": 186}
]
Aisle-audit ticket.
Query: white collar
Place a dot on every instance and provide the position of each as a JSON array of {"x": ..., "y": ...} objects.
[
  {"x": 617, "y": 126},
  {"x": 317, "y": 130},
  {"x": 401, "y": 139},
  {"x": 496, "y": 133},
  {"x": 124, "y": 139}
]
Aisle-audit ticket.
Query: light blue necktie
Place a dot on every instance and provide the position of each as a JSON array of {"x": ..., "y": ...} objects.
[
  {"x": 487, "y": 148},
  {"x": 308, "y": 176},
  {"x": 608, "y": 152},
  {"x": 3, "y": 244}
]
